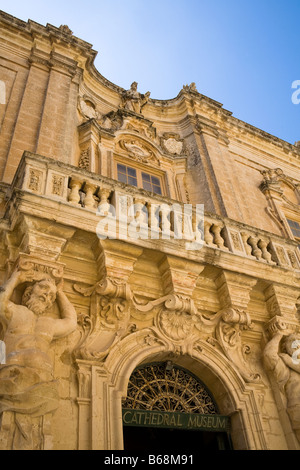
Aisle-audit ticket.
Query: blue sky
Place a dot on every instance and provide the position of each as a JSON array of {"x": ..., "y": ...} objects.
[{"x": 244, "y": 54}]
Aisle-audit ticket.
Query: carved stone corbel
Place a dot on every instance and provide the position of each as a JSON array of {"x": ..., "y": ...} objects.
[
  {"x": 176, "y": 317},
  {"x": 279, "y": 324},
  {"x": 228, "y": 334},
  {"x": 109, "y": 319},
  {"x": 282, "y": 301},
  {"x": 234, "y": 293},
  {"x": 38, "y": 238},
  {"x": 175, "y": 314},
  {"x": 26, "y": 262}
]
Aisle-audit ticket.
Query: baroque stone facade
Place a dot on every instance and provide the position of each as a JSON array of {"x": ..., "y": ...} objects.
[{"x": 90, "y": 325}]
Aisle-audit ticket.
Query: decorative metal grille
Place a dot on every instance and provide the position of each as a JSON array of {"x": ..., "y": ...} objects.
[{"x": 162, "y": 388}]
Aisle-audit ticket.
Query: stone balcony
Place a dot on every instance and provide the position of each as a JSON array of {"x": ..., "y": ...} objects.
[{"x": 80, "y": 199}]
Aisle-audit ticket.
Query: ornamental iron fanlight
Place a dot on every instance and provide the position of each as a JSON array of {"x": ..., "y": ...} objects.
[{"x": 170, "y": 388}]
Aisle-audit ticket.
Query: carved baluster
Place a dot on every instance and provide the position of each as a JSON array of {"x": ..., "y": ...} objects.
[
  {"x": 218, "y": 239},
  {"x": 104, "y": 205},
  {"x": 255, "y": 250},
  {"x": 140, "y": 214},
  {"x": 248, "y": 248},
  {"x": 198, "y": 225},
  {"x": 89, "y": 200},
  {"x": 262, "y": 244},
  {"x": 165, "y": 222},
  {"x": 74, "y": 196},
  {"x": 208, "y": 237},
  {"x": 153, "y": 219}
]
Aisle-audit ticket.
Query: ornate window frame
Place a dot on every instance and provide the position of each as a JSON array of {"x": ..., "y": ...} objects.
[{"x": 280, "y": 207}]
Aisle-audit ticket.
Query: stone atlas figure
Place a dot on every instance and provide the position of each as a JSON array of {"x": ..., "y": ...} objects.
[
  {"x": 281, "y": 361},
  {"x": 27, "y": 387}
]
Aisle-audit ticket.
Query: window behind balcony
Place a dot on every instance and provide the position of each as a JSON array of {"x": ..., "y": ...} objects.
[
  {"x": 295, "y": 228},
  {"x": 139, "y": 178},
  {"x": 127, "y": 175}
]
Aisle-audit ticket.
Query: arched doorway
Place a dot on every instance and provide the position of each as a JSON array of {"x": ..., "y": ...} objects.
[{"x": 168, "y": 408}]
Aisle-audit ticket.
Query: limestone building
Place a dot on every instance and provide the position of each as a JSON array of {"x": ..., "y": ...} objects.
[{"x": 128, "y": 320}]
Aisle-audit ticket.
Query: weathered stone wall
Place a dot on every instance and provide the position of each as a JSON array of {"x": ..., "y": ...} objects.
[{"x": 221, "y": 311}]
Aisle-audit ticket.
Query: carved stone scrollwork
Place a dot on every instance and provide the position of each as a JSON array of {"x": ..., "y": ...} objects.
[
  {"x": 138, "y": 150},
  {"x": 35, "y": 180},
  {"x": 172, "y": 143},
  {"x": 27, "y": 263},
  {"x": 84, "y": 159},
  {"x": 126, "y": 121},
  {"x": 176, "y": 317},
  {"x": 228, "y": 334},
  {"x": 87, "y": 108},
  {"x": 108, "y": 321}
]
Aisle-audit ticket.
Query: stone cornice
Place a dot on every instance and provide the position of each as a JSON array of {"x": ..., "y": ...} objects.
[
  {"x": 61, "y": 34},
  {"x": 224, "y": 118}
]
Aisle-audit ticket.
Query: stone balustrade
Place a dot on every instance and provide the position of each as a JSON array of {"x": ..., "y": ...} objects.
[{"x": 165, "y": 218}]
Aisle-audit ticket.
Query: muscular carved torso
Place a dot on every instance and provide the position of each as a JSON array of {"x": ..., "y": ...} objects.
[
  {"x": 293, "y": 389},
  {"x": 27, "y": 338}
]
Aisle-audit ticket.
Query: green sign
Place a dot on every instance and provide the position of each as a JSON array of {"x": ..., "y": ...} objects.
[{"x": 163, "y": 419}]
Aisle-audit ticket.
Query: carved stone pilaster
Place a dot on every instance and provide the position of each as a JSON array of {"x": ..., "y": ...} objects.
[{"x": 89, "y": 140}]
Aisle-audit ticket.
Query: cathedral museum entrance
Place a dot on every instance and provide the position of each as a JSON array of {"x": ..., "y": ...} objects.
[{"x": 169, "y": 409}]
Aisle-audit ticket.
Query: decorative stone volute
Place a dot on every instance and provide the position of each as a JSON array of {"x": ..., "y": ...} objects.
[
  {"x": 110, "y": 304},
  {"x": 234, "y": 294}
]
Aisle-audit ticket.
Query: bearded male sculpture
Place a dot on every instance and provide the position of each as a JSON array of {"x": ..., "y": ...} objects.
[
  {"x": 27, "y": 387},
  {"x": 282, "y": 360}
]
